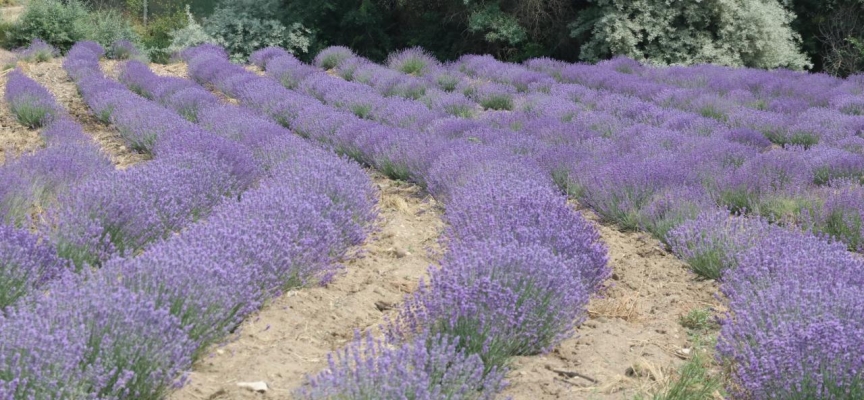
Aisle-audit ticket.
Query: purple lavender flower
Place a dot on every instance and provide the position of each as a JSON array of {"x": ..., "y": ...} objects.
[
  {"x": 124, "y": 50},
  {"x": 26, "y": 264},
  {"x": 332, "y": 56},
  {"x": 88, "y": 335},
  {"x": 38, "y": 51},
  {"x": 413, "y": 61},
  {"x": 31, "y": 103},
  {"x": 794, "y": 332},
  {"x": 120, "y": 213},
  {"x": 713, "y": 242},
  {"x": 426, "y": 368}
]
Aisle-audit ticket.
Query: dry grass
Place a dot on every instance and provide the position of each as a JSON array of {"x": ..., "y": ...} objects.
[{"x": 623, "y": 306}]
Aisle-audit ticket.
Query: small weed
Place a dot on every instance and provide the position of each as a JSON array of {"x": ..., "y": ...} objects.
[
  {"x": 698, "y": 320},
  {"x": 694, "y": 382}
]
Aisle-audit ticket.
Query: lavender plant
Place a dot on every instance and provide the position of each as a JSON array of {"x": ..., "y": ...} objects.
[
  {"x": 90, "y": 337},
  {"x": 413, "y": 61},
  {"x": 31, "y": 103},
  {"x": 26, "y": 264},
  {"x": 430, "y": 367},
  {"x": 38, "y": 51}
]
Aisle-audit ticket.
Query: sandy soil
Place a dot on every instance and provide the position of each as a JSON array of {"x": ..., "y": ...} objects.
[
  {"x": 14, "y": 137},
  {"x": 632, "y": 342},
  {"x": 292, "y": 336},
  {"x": 51, "y": 75}
]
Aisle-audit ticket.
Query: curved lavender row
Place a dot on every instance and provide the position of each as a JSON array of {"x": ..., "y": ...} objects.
[
  {"x": 31, "y": 181},
  {"x": 119, "y": 213},
  {"x": 38, "y": 51},
  {"x": 31, "y": 103},
  {"x": 129, "y": 329},
  {"x": 271, "y": 143},
  {"x": 546, "y": 298}
]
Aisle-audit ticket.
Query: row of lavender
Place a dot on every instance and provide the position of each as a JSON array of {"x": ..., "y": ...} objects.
[
  {"x": 518, "y": 271},
  {"x": 130, "y": 328},
  {"x": 31, "y": 182},
  {"x": 651, "y": 170}
]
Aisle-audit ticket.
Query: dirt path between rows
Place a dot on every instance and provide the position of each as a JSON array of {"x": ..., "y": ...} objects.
[
  {"x": 292, "y": 336},
  {"x": 52, "y": 75},
  {"x": 633, "y": 341}
]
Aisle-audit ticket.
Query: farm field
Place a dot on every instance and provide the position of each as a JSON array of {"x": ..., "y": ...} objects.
[{"x": 476, "y": 229}]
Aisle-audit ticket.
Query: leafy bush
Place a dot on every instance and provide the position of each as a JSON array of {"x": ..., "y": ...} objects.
[
  {"x": 107, "y": 27},
  {"x": 730, "y": 32},
  {"x": 188, "y": 36},
  {"x": 60, "y": 25},
  {"x": 63, "y": 24},
  {"x": 242, "y": 30}
]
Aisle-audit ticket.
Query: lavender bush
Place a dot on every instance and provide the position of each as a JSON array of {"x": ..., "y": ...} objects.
[
  {"x": 90, "y": 337},
  {"x": 793, "y": 334},
  {"x": 120, "y": 213},
  {"x": 26, "y": 264},
  {"x": 431, "y": 367},
  {"x": 413, "y": 61},
  {"x": 31, "y": 103},
  {"x": 38, "y": 51}
]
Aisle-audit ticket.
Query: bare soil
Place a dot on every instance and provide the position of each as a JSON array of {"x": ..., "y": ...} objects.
[
  {"x": 52, "y": 75},
  {"x": 292, "y": 336},
  {"x": 632, "y": 342}
]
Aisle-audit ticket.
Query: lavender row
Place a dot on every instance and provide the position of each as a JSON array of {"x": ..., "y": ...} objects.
[
  {"x": 129, "y": 329},
  {"x": 580, "y": 254},
  {"x": 32, "y": 183},
  {"x": 120, "y": 213}
]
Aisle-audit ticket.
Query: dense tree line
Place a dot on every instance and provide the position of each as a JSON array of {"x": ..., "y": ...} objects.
[
  {"x": 758, "y": 33},
  {"x": 818, "y": 35}
]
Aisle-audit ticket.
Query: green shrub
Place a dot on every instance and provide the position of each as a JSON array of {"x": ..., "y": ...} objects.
[
  {"x": 108, "y": 26},
  {"x": 58, "y": 24},
  {"x": 752, "y": 33},
  {"x": 192, "y": 34},
  {"x": 242, "y": 27}
]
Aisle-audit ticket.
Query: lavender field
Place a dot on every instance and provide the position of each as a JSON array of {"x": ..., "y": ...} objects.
[{"x": 467, "y": 230}]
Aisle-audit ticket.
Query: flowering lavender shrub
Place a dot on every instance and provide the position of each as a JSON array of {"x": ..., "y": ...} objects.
[
  {"x": 26, "y": 264},
  {"x": 425, "y": 368},
  {"x": 31, "y": 103},
  {"x": 38, "y": 51},
  {"x": 120, "y": 213},
  {"x": 289, "y": 71},
  {"x": 840, "y": 216},
  {"x": 792, "y": 333},
  {"x": 501, "y": 300},
  {"x": 90, "y": 337},
  {"x": 32, "y": 182},
  {"x": 492, "y": 96},
  {"x": 124, "y": 50},
  {"x": 332, "y": 56},
  {"x": 413, "y": 61},
  {"x": 713, "y": 242}
]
